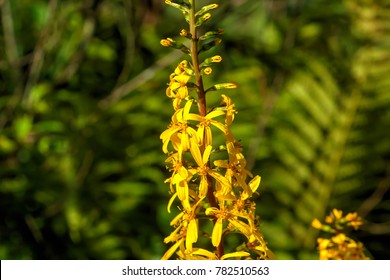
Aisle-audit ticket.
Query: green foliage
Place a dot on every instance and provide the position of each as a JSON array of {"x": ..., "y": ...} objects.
[
  {"x": 323, "y": 123},
  {"x": 82, "y": 105}
]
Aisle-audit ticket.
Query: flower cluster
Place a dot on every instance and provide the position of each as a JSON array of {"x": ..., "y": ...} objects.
[
  {"x": 208, "y": 180},
  {"x": 339, "y": 246}
]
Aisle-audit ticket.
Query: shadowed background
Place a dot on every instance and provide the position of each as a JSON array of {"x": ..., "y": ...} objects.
[{"x": 82, "y": 105}]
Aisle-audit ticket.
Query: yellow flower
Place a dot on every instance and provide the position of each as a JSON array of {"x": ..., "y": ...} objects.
[
  {"x": 339, "y": 238},
  {"x": 179, "y": 131},
  {"x": 235, "y": 166},
  {"x": 203, "y": 170},
  {"x": 253, "y": 186},
  {"x": 234, "y": 149},
  {"x": 177, "y": 168},
  {"x": 181, "y": 67},
  {"x": 339, "y": 246},
  {"x": 232, "y": 216},
  {"x": 230, "y": 109},
  {"x": 354, "y": 220},
  {"x": 220, "y": 189},
  {"x": 221, "y": 215},
  {"x": 316, "y": 224},
  {"x": 186, "y": 224},
  {"x": 323, "y": 243},
  {"x": 177, "y": 89},
  {"x": 257, "y": 244},
  {"x": 204, "y": 130},
  {"x": 337, "y": 214},
  {"x": 329, "y": 219},
  {"x": 178, "y": 86},
  {"x": 235, "y": 174}
]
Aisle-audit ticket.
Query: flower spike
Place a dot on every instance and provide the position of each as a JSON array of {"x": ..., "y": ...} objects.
[{"x": 205, "y": 187}]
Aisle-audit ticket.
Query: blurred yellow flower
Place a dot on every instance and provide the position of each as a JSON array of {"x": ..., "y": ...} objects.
[{"x": 339, "y": 246}]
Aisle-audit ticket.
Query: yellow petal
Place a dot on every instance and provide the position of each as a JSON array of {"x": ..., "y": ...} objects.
[
  {"x": 351, "y": 216},
  {"x": 193, "y": 133},
  {"x": 241, "y": 181},
  {"x": 177, "y": 219},
  {"x": 208, "y": 137},
  {"x": 185, "y": 142},
  {"x": 220, "y": 126},
  {"x": 206, "y": 154},
  {"x": 235, "y": 255},
  {"x": 170, "y": 202},
  {"x": 205, "y": 253},
  {"x": 183, "y": 92},
  {"x": 339, "y": 238},
  {"x": 225, "y": 184},
  {"x": 203, "y": 187},
  {"x": 221, "y": 163},
  {"x": 174, "y": 236},
  {"x": 211, "y": 211},
  {"x": 200, "y": 133},
  {"x": 166, "y": 136},
  {"x": 241, "y": 226},
  {"x": 329, "y": 219},
  {"x": 192, "y": 231},
  {"x": 323, "y": 243},
  {"x": 187, "y": 108},
  {"x": 214, "y": 114},
  {"x": 254, "y": 183},
  {"x": 337, "y": 213},
  {"x": 196, "y": 153},
  {"x": 182, "y": 78},
  {"x": 217, "y": 233},
  {"x": 186, "y": 205},
  {"x": 316, "y": 224},
  {"x": 172, "y": 250},
  {"x": 182, "y": 190},
  {"x": 183, "y": 172},
  {"x": 195, "y": 117}
]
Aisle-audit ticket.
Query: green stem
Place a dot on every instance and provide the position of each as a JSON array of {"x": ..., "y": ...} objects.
[{"x": 202, "y": 106}]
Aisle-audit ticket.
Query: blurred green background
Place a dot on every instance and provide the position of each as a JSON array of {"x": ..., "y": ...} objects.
[{"x": 82, "y": 105}]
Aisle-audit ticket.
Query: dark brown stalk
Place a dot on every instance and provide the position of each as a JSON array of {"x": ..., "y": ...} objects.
[{"x": 202, "y": 105}]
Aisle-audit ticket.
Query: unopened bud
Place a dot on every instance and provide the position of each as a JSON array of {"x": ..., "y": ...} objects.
[
  {"x": 207, "y": 71},
  {"x": 222, "y": 86},
  {"x": 166, "y": 42},
  {"x": 206, "y": 16},
  {"x": 205, "y": 9},
  {"x": 216, "y": 58},
  {"x": 183, "y": 33},
  {"x": 225, "y": 85}
]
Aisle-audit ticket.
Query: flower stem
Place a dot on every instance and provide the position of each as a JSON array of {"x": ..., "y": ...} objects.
[
  {"x": 195, "y": 62},
  {"x": 202, "y": 106}
]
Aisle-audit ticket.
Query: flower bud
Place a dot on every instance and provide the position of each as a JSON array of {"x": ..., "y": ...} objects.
[
  {"x": 183, "y": 33},
  {"x": 207, "y": 71},
  {"x": 166, "y": 42},
  {"x": 216, "y": 58}
]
